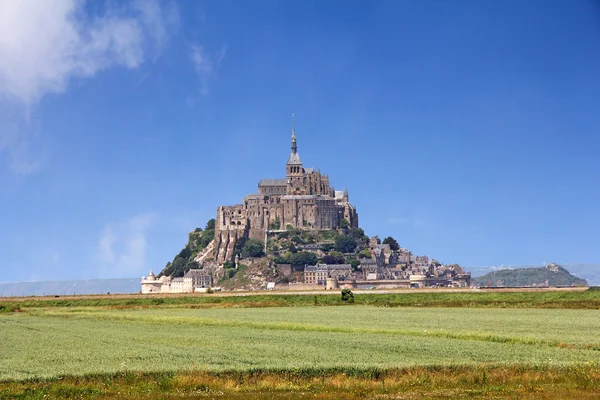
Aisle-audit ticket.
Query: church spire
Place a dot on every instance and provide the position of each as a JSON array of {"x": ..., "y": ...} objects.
[
  {"x": 294, "y": 146},
  {"x": 294, "y": 158}
]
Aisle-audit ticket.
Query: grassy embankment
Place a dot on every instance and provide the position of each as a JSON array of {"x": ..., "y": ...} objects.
[{"x": 587, "y": 299}]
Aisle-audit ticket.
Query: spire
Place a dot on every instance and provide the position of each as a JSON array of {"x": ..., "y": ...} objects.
[
  {"x": 294, "y": 157},
  {"x": 294, "y": 147}
]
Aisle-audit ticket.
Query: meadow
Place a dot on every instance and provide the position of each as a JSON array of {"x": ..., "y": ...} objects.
[
  {"x": 576, "y": 299},
  {"x": 244, "y": 348}
]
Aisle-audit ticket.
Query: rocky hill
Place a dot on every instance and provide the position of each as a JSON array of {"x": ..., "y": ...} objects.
[
  {"x": 550, "y": 275},
  {"x": 282, "y": 258},
  {"x": 255, "y": 268}
]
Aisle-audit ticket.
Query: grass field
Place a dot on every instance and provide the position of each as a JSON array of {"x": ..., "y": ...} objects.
[
  {"x": 577, "y": 299},
  {"x": 185, "y": 350}
]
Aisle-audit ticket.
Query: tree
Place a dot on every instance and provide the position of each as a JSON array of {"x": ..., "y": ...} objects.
[
  {"x": 347, "y": 295},
  {"x": 239, "y": 245},
  {"x": 326, "y": 247},
  {"x": 392, "y": 242},
  {"x": 334, "y": 257},
  {"x": 275, "y": 225},
  {"x": 253, "y": 248},
  {"x": 345, "y": 244},
  {"x": 228, "y": 265},
  {"x": 344, "y": 224},
  {"x": 356, "y": 233},
  {"x": 365, "y": 253},
  {"x": 302, "y": 258},
  {"x": 297, "y": 239},
  {"x": 210, "y": 224},
  {"x": 280, "y": 260},
  {"x": 207, "y": 237}
]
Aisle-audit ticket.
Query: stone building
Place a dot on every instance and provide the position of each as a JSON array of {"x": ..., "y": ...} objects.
[
  {"x": 320, "y": 273},
  {"x": 194, "y": 280},
  {"x": 303, "y": 199}
]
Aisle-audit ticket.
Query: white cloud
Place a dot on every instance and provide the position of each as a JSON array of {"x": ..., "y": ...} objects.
[
  {"x": 122, "y": 247},
  {"x": 205, "y": 65},
  {"x": 45, "y": 45}
]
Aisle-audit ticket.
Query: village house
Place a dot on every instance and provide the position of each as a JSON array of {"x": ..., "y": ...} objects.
[{"x": 318, "y": 274}]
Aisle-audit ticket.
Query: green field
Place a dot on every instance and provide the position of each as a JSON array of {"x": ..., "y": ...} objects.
[
  {"x": 577, "y": 299},
  {"x": 302, "y": 342}
]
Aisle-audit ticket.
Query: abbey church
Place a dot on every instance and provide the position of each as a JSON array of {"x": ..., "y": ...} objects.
[{"x": 303, "y": 199}]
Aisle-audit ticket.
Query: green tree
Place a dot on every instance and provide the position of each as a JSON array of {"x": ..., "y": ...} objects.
[
  {"x": 280, "y": 260},
  {"x": 345, "y": 244},
  {"x": 326, "y": 247},
  {"x": 253, "y": 248},
  {"x": 228, "y": 265},
  {"x": 292, "y": 248},
  {"x": 356, "y": 233},
  {"x": 275, "y": 225},
  {"x": 207, "y": 237},
  {"x": 365, "y": 253},
  {"x": 392, "y": 242},
  {"x": 210, "y": 224},
  {"x": 297, "y": 239},
  {"x": 302, "y": 258},
  {"x": 344, "y": 224},
  {"x": 334, "y": 257},
  {"x": 347, "y": 295}
]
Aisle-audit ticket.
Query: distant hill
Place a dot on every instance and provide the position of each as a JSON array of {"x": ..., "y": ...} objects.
[
  {"x": 90, "y": 286},
  {"x": 550, "y": 275}
]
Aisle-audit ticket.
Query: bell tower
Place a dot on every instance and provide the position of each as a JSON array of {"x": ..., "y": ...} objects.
[{"x": 294, "y": 172}]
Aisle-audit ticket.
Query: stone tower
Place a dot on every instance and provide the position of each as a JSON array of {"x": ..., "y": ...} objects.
[{"x": 294, "y": 172}]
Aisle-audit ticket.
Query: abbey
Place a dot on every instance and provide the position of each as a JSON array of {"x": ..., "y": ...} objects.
[{"x": 303, "y": 199}]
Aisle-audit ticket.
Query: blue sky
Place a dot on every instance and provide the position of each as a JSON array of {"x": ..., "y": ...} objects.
[{"x": 468, "y": 130}]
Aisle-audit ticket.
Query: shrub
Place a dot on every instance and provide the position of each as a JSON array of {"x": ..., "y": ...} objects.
[{"x": 347, "y": 296}]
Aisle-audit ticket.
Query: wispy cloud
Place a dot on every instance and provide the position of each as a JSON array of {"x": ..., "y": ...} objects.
[
  {"x": 45, "y": 45},
  {"x": 122, "y": 247},
  {"x": 206, "y": 65}
]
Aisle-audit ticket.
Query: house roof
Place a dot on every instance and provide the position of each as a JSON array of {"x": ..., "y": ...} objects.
[
  {"x": 367, "y": 261},
  {"x": 327, "y": 267},
  {"x": 196, "y": 273},
  {"x": 272, "y": 182}
]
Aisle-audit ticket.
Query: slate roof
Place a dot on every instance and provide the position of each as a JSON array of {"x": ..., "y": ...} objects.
[
  {"x": 327, "y": 267},
  {"x": 195, "y": 273},
  {"x": 272, "y": 182},
  {"x": 294, "y": 159}
]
